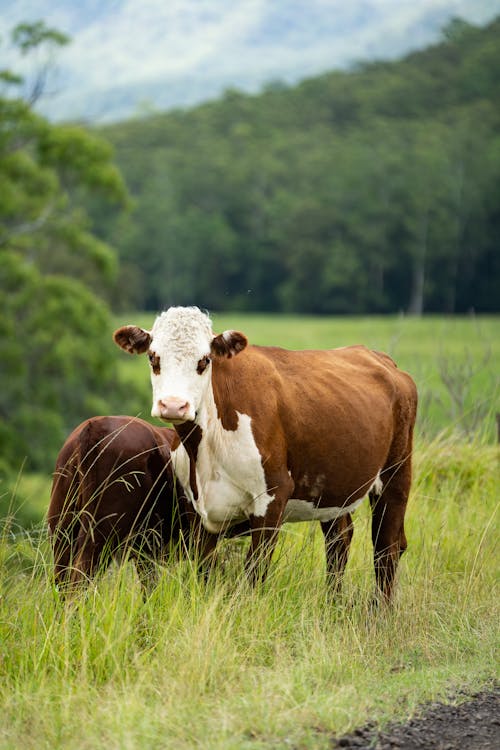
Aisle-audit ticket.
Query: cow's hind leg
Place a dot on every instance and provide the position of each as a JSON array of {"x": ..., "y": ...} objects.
[
  {"x": 63, "y": 539},
  {"x": 388, "y": 513},
  {"x": 89, "y": 556},
  {"x": 63, "y": 522},
  {"x": 338, "y": 535}
]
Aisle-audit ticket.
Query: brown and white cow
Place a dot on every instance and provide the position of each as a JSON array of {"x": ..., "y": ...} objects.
[
  {"x": 272, "y": 435},
  {"x": 113, "y": 490}
]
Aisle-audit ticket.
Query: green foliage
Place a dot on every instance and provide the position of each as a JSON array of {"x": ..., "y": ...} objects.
[
  {"x": 374, "y": 190},
  {"x": 56, "y": 366},
  {"x": 81, "y": 157},
  {"x": 57, "y": 360},
  {"x": 28, "y": 36}
]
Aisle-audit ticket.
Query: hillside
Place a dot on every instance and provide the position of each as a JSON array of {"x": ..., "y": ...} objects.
[{"x": 374, "y": 190}]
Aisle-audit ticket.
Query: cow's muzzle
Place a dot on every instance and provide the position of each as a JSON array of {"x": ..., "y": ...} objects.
[{"x": 172, "y": 409}]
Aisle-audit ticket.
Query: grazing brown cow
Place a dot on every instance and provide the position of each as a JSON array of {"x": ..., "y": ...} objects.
[
  {"x": 273, "y": 435},
  {"x": 113, "y": 489}
]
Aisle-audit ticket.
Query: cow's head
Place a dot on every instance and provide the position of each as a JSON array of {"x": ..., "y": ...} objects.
[{"x": 180, "y": 347}]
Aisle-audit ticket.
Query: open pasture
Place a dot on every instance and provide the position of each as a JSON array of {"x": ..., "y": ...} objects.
[
  {"x": 222, "y": 666},
  {"x": 455, "y": 361}
]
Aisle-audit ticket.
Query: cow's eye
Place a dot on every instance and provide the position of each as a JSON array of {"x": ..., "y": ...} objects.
[
  {"x": 202, "y": 365},
  {"x": 154, "y": 361}
]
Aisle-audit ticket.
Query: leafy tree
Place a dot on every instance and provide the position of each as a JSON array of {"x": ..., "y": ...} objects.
[{"x": 56, "y": 365}]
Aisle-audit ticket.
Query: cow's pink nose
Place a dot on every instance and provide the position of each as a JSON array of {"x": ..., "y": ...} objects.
[{"x": 173, "y": 408}]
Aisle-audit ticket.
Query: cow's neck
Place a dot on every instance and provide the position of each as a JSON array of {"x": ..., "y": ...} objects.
[
  {"x": 214, "y": 417},
  {"x": 224, "y": 395},
  {"x": 207, "y": 427},
  {"x": 191, "y": 433}
]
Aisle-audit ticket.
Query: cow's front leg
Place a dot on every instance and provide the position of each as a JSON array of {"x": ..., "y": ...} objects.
[
  {"x": 264, "y": 529},
  {"x": 201, "y": 546},
  {"x": 264, "y": 532}
]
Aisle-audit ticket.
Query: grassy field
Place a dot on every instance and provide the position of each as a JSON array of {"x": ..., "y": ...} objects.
[
  {"x": 222, "y": 666},
  {"x": 454, "y": 361}
]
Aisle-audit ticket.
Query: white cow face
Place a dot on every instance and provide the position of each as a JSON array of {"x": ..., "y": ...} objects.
[{"x": 180, "y": 347}]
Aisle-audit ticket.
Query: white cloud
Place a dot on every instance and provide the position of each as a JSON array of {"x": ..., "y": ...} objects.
[
  {"x": 145, "y": 40},
  {"x": 189, "y": 45}
]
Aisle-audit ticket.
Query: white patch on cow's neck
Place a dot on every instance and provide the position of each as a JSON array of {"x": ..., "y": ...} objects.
[{"x": 229, "y": 475}]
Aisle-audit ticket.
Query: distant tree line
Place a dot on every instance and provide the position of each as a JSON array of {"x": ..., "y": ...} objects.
[{"x": 370, "y": 191}]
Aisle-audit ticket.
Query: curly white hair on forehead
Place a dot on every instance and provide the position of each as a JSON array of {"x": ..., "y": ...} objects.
[{"x": 182, "y": 329}]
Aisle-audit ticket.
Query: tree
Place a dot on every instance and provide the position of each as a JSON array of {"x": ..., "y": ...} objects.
[{"x": 55, "y": 334}]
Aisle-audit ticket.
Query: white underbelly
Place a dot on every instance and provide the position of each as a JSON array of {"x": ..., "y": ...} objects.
[
  {"x": 304, "y": 510},
  {"x": 222, "y": 504}
]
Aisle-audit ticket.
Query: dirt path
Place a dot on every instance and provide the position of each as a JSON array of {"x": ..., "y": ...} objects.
[{"x": 470, "y": 725}]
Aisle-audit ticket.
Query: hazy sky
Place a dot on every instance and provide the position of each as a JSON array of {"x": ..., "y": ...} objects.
[{"x": 177, "y": 52}]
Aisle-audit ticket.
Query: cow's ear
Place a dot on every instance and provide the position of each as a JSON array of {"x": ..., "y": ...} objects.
[
  {"x": 228, "y": 344},
  {"x": 132, "y": 339}
]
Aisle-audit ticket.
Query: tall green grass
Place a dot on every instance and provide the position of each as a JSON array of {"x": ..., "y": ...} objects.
[{"x": 223, "y": 666}]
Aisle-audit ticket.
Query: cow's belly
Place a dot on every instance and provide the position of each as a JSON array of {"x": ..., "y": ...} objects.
[
  {"x": 231, "y": 486},
  {"x": 317, "y": 509},
  {"x": 222, "y": 504}
]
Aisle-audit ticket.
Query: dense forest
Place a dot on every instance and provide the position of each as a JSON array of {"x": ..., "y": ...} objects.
[{"x": 372, "y": 190}]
